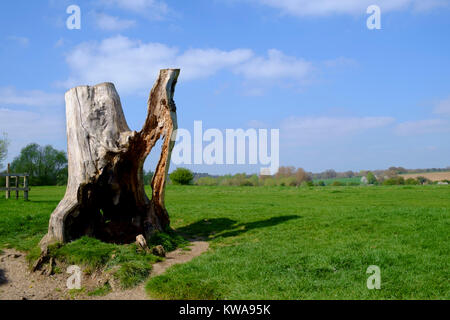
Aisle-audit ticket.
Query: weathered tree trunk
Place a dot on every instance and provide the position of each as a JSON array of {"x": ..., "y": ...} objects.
[{"x": 105, "y": 195}]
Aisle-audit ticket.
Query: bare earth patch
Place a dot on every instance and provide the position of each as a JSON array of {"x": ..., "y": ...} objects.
[
  {"x": 18, "y": 283},
  {"x": 433, "y": 176}
]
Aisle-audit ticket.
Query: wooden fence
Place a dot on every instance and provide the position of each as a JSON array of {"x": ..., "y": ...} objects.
[{"x": 10, "y": 176}]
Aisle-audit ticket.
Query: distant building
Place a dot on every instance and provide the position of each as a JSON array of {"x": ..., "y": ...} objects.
[{"x": 364, "y": 180}]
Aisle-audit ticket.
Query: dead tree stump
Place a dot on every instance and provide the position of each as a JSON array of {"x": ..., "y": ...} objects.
[{"x": 105, "y": 195}]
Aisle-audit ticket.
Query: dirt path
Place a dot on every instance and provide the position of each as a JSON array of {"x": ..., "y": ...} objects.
[
  {"x": 17, "y": 283},
  {"x": 172, "y": 258}
]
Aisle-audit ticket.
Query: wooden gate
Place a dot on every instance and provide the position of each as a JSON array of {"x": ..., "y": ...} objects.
[{"x": 15, "y": 176}]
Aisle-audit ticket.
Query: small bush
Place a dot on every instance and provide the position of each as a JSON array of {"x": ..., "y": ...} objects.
[
  {"x": 337, "y": 184},
  {"x": 239, "y": 179},
  {"x": 411, "y": 181},
  {"x": 270, "y": 182},
  {"x": 397, "y": 181},
  {"x": 182, "y": 176},
  {"x": 423, "y": 180},
  {"x": 390, "y": 182},
  {"x": 371, "y": 179},
  {"x": 287, "y": 182},
  {"x": 254, "y": 180},
  {"x": 308, "y": 183}
]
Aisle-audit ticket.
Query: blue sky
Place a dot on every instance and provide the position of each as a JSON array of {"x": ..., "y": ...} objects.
[{"x": 343, "y": 96}]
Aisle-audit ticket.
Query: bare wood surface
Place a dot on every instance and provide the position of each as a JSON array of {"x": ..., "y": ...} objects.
[
  {"x": 105, "y": 196},
  {"x": 25, "y": 188},
  {"x": 17, "y": 187},
  {"x": 8, "y": 192}
]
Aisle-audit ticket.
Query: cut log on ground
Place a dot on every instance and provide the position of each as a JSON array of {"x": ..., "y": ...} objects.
[{"x": 105, "y": 195}]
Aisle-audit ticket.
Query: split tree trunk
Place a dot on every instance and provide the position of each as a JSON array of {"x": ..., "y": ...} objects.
[{"x": 105, "y": 195}]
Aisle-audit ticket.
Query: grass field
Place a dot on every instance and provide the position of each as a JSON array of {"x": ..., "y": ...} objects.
[{"x": 288, "y": 243}]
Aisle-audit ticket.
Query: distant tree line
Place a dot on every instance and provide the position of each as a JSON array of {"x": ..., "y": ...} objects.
[
  {"x": 44, "y": 164},
  {"x": 389, "y": 178},
  {"x": 286, "y": 176},
  {"x": 291, "y": 176},
  {"x": 48, "y": 166},
  {"x": 391, "y": 172}
]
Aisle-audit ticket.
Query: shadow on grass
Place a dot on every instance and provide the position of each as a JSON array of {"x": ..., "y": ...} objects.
[{"x": 224, "y": 227}]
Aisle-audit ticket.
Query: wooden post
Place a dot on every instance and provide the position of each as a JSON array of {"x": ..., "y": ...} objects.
[
  {"x": 17, "y": 186},
  {"x": 25, "y": 186},
  {"x": 8, "y": 193}
]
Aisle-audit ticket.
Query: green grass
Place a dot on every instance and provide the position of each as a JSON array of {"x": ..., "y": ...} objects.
[
  {"x": 22, "y": 225},
  {"x": 132, "y": 273},
  {"x": 133, "y": 265},
  {"x": 170, "y": 240},
  {"x": 100, "y": 291},
  {"x": 311, "y": 243},
  {"x": 275, "y": 242}
]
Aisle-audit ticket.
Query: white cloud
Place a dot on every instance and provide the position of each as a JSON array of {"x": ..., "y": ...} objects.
[
  {"x": 111, "y": 23},
  {"x": 275, "y": 66},
  {"x": 423, "y": 127},
  {"x": 443, "y": 107},
  {"x": 302, "y": 8},
  {"x": 32, "y": 98},
  {"x": 199, "y": 63},
  {"x": 25, "y": 124},
  {"x": 133, "y": 65},
  {"x": 25, "y": 127},
  {"x": 309, "y": 130},
  {"x": 429, "y": 4},
  {"x": 152, "y": 8}
]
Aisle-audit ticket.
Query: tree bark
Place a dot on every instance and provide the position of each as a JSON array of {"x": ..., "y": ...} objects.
[{"x": 105, "y": 196}]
